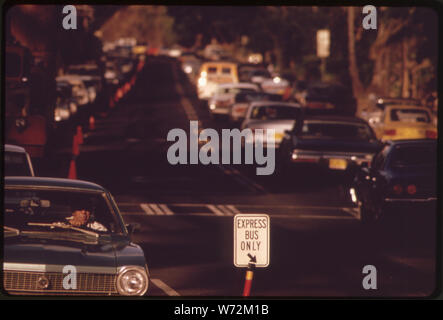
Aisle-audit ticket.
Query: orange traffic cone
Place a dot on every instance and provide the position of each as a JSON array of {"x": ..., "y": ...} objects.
[
  {"x": 79, "y": 135},
  {"x": 72, "y": 170},
  {"x": 75, "y": 147},
  {"x": 127, "y": 87},
  {"x": 91, "y": 123}
]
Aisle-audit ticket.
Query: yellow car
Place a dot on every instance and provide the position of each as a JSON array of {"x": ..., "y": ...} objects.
[{"x": 400, "y": 122}]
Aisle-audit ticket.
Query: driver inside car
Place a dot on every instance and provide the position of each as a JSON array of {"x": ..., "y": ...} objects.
[{"x": 83, "y": 218}]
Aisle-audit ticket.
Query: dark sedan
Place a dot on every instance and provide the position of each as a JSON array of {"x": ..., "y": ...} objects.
[
  {"x": 67, "y": 237},
  {"x": 401, "y": 176},
  {"x": 332, "y": 142}
]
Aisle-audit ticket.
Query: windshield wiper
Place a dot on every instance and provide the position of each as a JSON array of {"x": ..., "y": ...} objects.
[
  {"x": 64, "y": 226},
  {"x": 17, "y": 231}
]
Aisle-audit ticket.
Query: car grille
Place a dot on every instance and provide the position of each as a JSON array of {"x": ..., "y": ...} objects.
[{"x": 16, "y": 282}]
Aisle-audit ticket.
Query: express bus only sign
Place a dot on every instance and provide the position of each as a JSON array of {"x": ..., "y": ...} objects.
[{"x": 251, "y": 240}]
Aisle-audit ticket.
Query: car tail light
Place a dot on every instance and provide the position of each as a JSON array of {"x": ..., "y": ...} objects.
[
  {"x": 431, "y": 134},
  {"x": 398, "y": 189},
  {"x": 390, "y": 132},
  {"x": 412, "y": 189}
]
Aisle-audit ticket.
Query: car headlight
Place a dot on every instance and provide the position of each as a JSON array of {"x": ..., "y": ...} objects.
[
  {"x": 187, "y": 69},
  {"x": 132, "y": 281},
  {"x": 202, "y": 81}
]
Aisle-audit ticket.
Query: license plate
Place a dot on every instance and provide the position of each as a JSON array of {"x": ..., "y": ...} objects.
[{"x": 338, "y": 164}]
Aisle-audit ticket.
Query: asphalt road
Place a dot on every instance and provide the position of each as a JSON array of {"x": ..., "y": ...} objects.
[{"x": 318, "y": 246}]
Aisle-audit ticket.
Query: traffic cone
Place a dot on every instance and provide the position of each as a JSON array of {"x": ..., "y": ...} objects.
[
  {"x": 127, "y": 87},
  {"x": 79, "y": 135},
  {"x": 75, "y": 147},
  {"x": 72, "y": 170},
  {"x": 91, "y": 123}
]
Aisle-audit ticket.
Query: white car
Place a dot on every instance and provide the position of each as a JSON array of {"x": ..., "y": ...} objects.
[
  {"x": 279, "y": 116},
  {"x": 275, "y": 85},
  {"x": 224, "y": 96}
]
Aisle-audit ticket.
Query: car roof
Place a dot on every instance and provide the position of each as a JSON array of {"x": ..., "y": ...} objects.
[
  {"x": 216, "y": 63},
  {"x": 327, "y": 118},
  {"x": 274, "y": 103},
  {"x": 52, "y": 182},
  {"x": 14, "y": 148},
  {"x": 238, "y": 85},
  {"x": 412, "y": 142}
]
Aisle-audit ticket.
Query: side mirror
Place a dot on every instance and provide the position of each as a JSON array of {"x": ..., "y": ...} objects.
[{"x": 132, "y": 227}]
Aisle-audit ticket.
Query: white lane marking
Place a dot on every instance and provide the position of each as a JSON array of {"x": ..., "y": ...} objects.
[
  {"x": 165, "y": 209},
  {"x": 233, "y": 209},
  {"x": 225, "y": 210},
  {"x": 156, "y": 208},
  {"x": 166, "y": 289},
  {"x": 214, "y": 210},
  {"x": 146, "y": 209},
  {"x": 353, "y": 212}
]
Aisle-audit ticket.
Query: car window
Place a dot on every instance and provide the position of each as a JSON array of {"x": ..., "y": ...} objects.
[
  {"x": 409, "y": 115},
  {"x": 226, "y": 70},
  {"x": 337, "y": 130},
  {"x": 275, "y": 113},
  {"x": 16, "y": 164},
  {"x": 23, "y": 206},
  {"x": 405, "y": 156},
  {"x": 212, "y": 70},
  {"x": 379, "y": 160}
]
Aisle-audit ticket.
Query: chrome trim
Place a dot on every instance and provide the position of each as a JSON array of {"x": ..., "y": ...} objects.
[
  {"x": 335, "y": 155},
  {"x": 412, "y": 199},
  {"x": 123, "y": 270},
  {"x": 28, "y": 267}
]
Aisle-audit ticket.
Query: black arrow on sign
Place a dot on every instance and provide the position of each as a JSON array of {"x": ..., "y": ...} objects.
[{"x": 253, "y": 259}]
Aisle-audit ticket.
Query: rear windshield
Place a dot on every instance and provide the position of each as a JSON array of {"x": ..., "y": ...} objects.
[
  {"x": 16, "y": 164},
  {"x": 275, "y": 113},
  {"x": 410, "y": 115},
  {"x": 337, "y": 130},
  {"x": 226, "y": 70},
  {"x": 414, "y": 156}
]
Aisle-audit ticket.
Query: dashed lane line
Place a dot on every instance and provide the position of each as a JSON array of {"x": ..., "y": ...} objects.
[{"x": 166, "y": 289}]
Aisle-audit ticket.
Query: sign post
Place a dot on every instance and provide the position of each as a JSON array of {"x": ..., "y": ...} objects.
[{"x": 251, "y": 244}]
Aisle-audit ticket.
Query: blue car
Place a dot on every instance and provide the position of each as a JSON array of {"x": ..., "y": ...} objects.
[
  {"x": 67, "y": 237},
  {"x": 401, "y": 178}
]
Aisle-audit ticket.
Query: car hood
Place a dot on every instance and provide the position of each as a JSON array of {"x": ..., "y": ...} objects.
[
  {"x": 61, "y": 252},
  {"x": 338, "y": 145}
]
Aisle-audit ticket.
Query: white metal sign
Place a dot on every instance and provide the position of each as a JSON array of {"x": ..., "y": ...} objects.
[
  {"x": 323, "y": 43},
  {"x": 251, "y": 240}
]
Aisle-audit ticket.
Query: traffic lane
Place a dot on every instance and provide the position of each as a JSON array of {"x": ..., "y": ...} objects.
[{"x": 318, "y": 257}]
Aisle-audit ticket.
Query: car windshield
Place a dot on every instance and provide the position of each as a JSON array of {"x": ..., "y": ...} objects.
[
  {"x": 16, "y": 164},
  {"x": 336, "y": 130},
  {"x": 275, "y": 113},
  {"x": 406, "y": 156},
  {"x": 410, "y": 115},
  {"x": 26, "y": 209}
]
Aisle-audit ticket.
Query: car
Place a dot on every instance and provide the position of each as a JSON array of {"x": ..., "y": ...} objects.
[
  {"x": 55, "y": 228},
  {"x": 79, "y": 90},
  {"x": 241, "y": 103},
  {"x": 279, "y": 116},
  {"x": 328, "y": 98},
  {"x": 212, "y": 74},
  {"x": 224, "y": 95},
  {"x": 329, "y": 142},
  {"x": 375, "y": 110},
  {"x": 17, "y": 161},
  {"x": 401, "y": 177},
  {"x": 88, "y": 72},
  {"x": 273, "y": 85},
  {"x": 404, "y": 122}
]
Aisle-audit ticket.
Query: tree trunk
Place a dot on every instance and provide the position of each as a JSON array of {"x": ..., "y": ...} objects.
[{"x": 357, "y": 86}]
